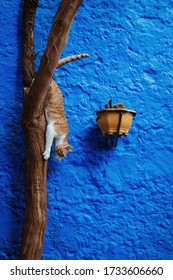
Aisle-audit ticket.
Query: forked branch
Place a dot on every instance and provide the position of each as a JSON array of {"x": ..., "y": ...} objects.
[{"x": 56, "y": 42}]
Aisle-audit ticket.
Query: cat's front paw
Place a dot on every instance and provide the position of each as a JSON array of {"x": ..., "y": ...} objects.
[{"x": 46, "y": 155}]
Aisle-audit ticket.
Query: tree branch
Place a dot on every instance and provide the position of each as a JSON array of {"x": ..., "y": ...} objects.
[{"x": 28, "y": 41}]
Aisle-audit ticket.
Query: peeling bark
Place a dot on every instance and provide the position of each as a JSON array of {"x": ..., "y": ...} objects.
[{"x": 34, "y": 123}]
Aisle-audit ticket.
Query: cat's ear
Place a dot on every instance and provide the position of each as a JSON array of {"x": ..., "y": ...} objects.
[{"x": 69, "y": 148}]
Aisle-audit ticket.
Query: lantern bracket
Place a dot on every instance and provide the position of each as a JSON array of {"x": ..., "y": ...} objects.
[{"x": 111, "y": 140}]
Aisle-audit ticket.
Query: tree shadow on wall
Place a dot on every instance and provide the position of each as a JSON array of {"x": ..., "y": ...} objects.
[{"x": 13, "y": 196}]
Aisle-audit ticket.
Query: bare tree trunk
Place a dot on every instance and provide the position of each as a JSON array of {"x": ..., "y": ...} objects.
[{"x": 34, "y": 122}]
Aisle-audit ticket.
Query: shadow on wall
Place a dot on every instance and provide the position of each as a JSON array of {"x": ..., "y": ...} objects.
[
  {"x": 12, "y": 154},
  {"x": 90, "y": 145}
]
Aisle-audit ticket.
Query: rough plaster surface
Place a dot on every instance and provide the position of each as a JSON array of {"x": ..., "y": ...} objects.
[{"x": 102, "y": 204}]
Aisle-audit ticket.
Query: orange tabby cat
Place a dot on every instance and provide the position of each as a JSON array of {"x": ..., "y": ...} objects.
[{"x": 57, "y": 126}]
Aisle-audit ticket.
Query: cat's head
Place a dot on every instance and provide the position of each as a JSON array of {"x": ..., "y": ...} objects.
[{"x": 62, "y": 150}]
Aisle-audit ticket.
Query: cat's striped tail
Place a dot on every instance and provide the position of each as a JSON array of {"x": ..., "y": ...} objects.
[{"x": 71, "y": 58}]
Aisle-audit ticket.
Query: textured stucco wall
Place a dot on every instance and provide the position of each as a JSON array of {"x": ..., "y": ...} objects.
[{"x": 102, "y": 204}]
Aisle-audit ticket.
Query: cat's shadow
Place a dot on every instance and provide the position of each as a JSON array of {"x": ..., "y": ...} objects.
[{"x": 87, "y": 148}]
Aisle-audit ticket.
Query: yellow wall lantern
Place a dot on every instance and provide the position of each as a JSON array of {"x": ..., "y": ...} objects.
[{"x": 114, "y": 122}]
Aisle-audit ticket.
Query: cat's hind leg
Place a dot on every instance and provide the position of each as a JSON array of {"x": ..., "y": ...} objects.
[{"x": 50, "y": 134}]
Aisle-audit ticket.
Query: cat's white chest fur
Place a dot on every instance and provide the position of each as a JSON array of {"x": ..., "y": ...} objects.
[{"x": 51, "y": 135}]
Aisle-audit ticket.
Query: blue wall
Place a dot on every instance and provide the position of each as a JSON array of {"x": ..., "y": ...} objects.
[{"x": 102, "y": 204}]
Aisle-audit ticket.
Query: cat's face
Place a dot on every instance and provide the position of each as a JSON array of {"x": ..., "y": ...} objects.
[{"x": 62, "y": 151}]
